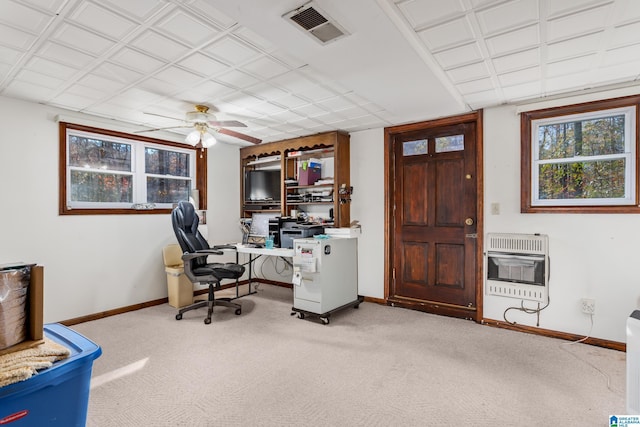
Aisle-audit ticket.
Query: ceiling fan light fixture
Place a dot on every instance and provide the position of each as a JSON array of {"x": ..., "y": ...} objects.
[
  {"x": 208, "y": 140},
  {"x": 193, "y": 138}
]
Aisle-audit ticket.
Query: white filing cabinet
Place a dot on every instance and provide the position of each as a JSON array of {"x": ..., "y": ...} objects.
[{"x": 325, "y": 275}]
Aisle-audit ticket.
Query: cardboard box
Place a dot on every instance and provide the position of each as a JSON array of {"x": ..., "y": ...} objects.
[
  {"x": 309, "y": 175},
  {"x": 34, "y": 308}
]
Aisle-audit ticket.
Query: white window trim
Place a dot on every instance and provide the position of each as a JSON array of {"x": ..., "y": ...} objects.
[
  {"x": 137, "y": 164},
  {"x": 629, "y": 156}
]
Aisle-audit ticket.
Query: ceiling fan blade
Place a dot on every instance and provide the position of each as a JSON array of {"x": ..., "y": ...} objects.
[
  {"x": 152, "y": 130},
  {"x": 227, "y": 124},
  {"x": 239, "y": 135},
  {"x": 166, "y": 117}
]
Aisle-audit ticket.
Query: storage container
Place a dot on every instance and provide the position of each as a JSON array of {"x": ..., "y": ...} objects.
[
  {"x": 179, "y": 287},
  {"x": 57, "y": 396}
]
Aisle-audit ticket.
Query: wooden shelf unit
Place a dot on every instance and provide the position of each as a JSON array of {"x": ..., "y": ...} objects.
[{"x": 333, "y": 145}]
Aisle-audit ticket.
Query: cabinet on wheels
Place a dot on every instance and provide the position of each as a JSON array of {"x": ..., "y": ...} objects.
[{"x": 314, "y": 172}]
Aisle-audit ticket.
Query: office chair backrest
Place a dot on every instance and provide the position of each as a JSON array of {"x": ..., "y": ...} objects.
[{"x": 185, "y": 225}]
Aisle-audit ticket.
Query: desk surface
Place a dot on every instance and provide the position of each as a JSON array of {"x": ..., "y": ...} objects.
[{"x": 288, "y": 253}]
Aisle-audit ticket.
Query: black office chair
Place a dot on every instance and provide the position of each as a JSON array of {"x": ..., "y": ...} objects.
[{"x": 195, "y": 252}]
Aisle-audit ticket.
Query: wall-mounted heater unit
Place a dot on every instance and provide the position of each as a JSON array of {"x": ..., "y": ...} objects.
[
  {"x": 517, "y": 266},
  {"x": 633, "y": 363}
]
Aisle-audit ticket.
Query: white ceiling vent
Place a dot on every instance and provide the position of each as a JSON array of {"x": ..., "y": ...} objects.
[{"x": 316, "y": 23}]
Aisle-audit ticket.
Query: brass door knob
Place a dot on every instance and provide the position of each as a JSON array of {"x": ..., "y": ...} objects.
[{"x": 468, "y": 221}]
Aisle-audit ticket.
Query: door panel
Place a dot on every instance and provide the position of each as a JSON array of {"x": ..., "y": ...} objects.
[{"x": 434, "y": 217}]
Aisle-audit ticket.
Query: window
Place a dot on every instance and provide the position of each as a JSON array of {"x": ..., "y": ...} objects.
[
  {"x": 106, "y": 172},
  {"x": 581, "y": 158}
]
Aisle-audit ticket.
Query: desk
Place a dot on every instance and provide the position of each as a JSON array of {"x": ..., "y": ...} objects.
[{"x": 243, "y": 249}]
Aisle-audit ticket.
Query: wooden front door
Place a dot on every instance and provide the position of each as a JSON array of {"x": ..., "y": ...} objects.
[{"x": 434, "y": 194}]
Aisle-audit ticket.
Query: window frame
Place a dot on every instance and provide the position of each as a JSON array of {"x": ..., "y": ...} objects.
[
  {"x": 200, "y": 181},
  {"x": 529, "y": 144}
]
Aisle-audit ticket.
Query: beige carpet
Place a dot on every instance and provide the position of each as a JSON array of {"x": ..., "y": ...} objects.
[{"x": 374, "y": 366}]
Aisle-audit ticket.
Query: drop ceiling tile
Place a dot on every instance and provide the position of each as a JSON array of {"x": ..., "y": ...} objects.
[
  {"x": 135, "y": 98},
  {"x": 266, "y": 108},
  {"x": 137, "y": 60},
  {"x": 626, "y": 11},
  {"x": 468, "y": 72},
  {"x": 474, "y": 86},
  {"x": 524, "y": 59},
  {"x": 621, "y": 55},
  {"x": 160, "y": 46},
  {"x": 625, "y": 34},
  {"x": 23, "y": 17},
  {"x": 266, "y": 91},
  {"x": 310, "y": 110},
  {"x": 457, "y": 56},
  {"x": 81, "y": 39},
  {"x": 51, "y": 6},
  {"x": 96, "y": 81},
  {"x": 508, "y": 15},
  {"x": 519, "y": 77},
  {"x": 286, "y": 116},
  {"x": 521, "y": 39},
  {"x": 307, "y": 123},
  {"x": 265, "y": 68},
  {"x": 565, "y": 7},
  {"x": 211, "y": 90},
  {"x": 37, "y": 78},
  {"x": 15, "y": 38},
  {"x": 72, "y": 101},
  {"x": 291, "y": 101},
  {"x": 571, "y": 66},
  {"x": 237, "y": 79},
  {"x": 203, "y": 65},
  {"x": 577, "y": 46},
  {"x": 352, "y": 112},
  {"x": 421, "y": 13},
  {"x": 117, "y": 73},
  {"x": 231, "y": 51},
  {"x": 65, "y": 55},
  {"x": 253, "y": 39},
  {"x": 187, "y": 28},
  {"x": 159, "y": 87},
  {"x": 110, "y": 110},
  {"x": 580, "y": 23},
  {"x": 336, "y": 103},
  {"x": 4, "y": 70},
  {"x": 448, "y": 34},
  {"x": 139, "y": 10},
  {"x": 91, "y": 15},
  {"x": 54, "y": 69},
  {"x": 8, "y": 55},
  {"x": 314, "y": 92},
  {"x": 522, "y": 91},
  {"x": 212, "y": 14},
  {"x": 615, "y": 73},
  {"x": 178, "y": 77},
  {"x": 483, "y": 99},
  {"x": 564, "y": 83},
  {"x": 28, "y": 91},
  {"x": 88, "y": 92}
]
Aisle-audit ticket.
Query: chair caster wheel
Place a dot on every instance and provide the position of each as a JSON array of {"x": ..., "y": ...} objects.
[
  {"x": 207, "y": 321},
  {"x": 178, "y": 316},
  {"x": 238, "y": 312},
  {"x": 325, "y": 320}
]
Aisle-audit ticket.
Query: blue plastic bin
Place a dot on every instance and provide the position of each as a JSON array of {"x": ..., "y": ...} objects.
[{"x": 58, "y": 396}]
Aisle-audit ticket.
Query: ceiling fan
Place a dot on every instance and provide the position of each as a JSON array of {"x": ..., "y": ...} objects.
[{"x": 204, "y": 124}]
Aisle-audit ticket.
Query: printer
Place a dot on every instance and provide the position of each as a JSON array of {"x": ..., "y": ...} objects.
[{"x": 294, "y": 230}]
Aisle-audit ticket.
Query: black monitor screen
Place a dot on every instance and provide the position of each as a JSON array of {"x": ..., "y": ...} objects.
[{"x": 262, "y": 185}]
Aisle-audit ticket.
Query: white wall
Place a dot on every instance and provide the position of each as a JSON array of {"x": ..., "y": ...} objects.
[{"x": 92, "y": 263}]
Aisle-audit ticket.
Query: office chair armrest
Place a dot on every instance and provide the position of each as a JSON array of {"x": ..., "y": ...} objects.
[
  {"x": 225, "y": 247},
  {"x": 197, "y": 254}
]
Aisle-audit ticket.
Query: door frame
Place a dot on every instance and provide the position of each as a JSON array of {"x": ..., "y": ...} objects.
[{"x": 389, "y": 196}]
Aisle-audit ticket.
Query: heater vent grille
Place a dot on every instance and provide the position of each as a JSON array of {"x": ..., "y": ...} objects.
[
  {"x": 518, "y": 243},
  {"x": 316, "y": 23}
]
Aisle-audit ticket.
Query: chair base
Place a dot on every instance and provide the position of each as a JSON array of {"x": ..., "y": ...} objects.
[{"x": 226, "y": 302}]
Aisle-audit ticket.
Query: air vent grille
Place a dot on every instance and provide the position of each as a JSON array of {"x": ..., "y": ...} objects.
[
  {"x": 316, "y": 23},
  {"x": 309, "y": 18}
]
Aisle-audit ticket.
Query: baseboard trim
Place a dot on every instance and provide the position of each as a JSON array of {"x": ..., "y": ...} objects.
[
  {"x": 598, "y": 342},
  {"x": 134, "y": 307}
]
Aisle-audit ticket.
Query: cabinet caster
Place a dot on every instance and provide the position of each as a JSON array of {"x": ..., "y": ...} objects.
[
  {"x": 324, "y": 320},
  {"x": 357, "y": 306},
  {"x": 207, "y": 321},
  {"x": 300, "y": 315},
  {"x": 178, "y": 316},
  {"x": 238, "y": 312}
]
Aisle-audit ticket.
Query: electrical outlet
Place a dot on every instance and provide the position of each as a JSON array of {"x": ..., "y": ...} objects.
[{"x": 588, "y": 305}]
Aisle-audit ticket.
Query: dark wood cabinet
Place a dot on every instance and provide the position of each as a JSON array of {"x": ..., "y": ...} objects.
[{"x": 329, "y": 196}]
